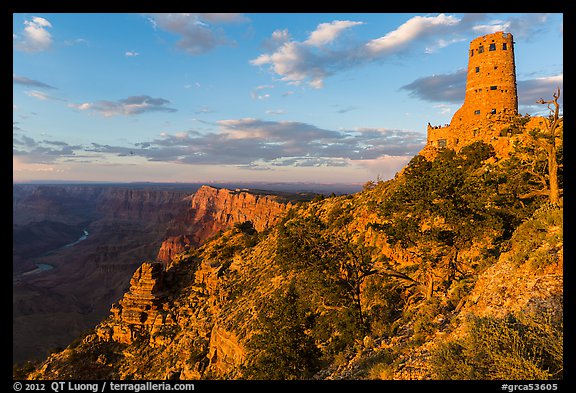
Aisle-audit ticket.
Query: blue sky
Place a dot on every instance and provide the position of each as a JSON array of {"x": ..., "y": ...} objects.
[{"x": 326, "y": 98}]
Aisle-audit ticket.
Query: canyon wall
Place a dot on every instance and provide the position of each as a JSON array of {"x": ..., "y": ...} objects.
[
  {"x": 125, "y": 225},
  {"x": 214, "y": 209}
]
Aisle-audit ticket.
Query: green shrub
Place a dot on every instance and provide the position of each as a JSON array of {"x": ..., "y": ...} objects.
[
  {"x": 536, "y": 240},
  {"x": 514, "y": 348},
  {"x": 282, "y": 349},
  {"x": 381, "y": 366}
]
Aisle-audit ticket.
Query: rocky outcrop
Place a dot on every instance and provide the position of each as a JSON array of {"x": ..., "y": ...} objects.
[
  {"x": 141, "y": 307},
  {"x": 171, "y": 246},
  {"x": 214, "y": 209},
  {"x": 225, "y": 351},
  {"x": 141, "y": 303}
]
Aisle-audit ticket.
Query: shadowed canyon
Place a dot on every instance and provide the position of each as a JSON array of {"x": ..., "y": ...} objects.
[{"x": 75, "y": 247}]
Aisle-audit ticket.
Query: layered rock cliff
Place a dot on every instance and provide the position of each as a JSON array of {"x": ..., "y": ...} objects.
[
  {"x": 215, "y": 209},
  {"x": 125, "y": 224}
]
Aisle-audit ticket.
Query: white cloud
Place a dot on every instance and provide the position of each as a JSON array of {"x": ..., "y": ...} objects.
[
  {"x": 275, "y": 112},
  {"x": 40, "y": 95},
  {"x": 22, "y": 80},
  {"x": 133, "y": 105},
  {"x": 442, "y": 44},
  {"x": 278, "y": 38},
  {"x": 444, "y": 109},
  {"x": 325, "y": 33},
  {"x": 197, "y": 31},
  {"x": 204, "y": 110},
  {"x": 37, "y": 94},
  {"x": 257, "y": 96},
  {"x": 523, "y": 26},
  {"x": 264, "y": 87},
  {"x": 36, "y": 37},
  {"x": 531, "y": 90},
  {"x": 76, "y": 41},
  {"x": 223, "y": 17},
  {"x": 323, "y": 53},
  {"x": 131, "y": 54},
  {"x": 413, "y": 29}
]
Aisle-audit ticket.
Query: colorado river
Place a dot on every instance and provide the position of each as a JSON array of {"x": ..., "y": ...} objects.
[
  {"x": 83, "y": 237},
  {"x": 42, "y": 267}
]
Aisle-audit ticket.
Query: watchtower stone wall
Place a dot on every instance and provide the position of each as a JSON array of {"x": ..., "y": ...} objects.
[{"x": 491, "y": 99}]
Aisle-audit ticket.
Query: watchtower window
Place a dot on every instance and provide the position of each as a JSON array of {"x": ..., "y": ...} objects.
[
  {"x": 477, "y": 69},
  {"x": 477, "y": 112},
  {"x": 441, "y": 143},
  {"x": 493, "y": 88},
  {"x": 504, "y": 47},
  {"x": 480, "y": 49},
  {"x": 493, "y": 111},
  {"x": 492, "y": 47},
  {"x": 471, "y": 52}
]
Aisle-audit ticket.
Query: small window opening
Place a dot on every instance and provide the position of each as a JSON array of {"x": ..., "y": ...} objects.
[
  {"x": 441, "y": 143},
  {"x": 480, "y": 49},
  {"x": 493, "y": 88},
  {"x": 492, "y": 47},
  {"x": 493, "y": 111},
  {"x": 471, "y": 52},
  {"x": 477, "y": 69},
  {"x": 477, "y": 112},
  {"x": 504, "y": 47}
]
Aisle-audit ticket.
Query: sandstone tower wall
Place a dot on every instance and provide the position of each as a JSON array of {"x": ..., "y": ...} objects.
[
  {"x": 491, "y": 79},
  {"x": 491, "y": 98}
]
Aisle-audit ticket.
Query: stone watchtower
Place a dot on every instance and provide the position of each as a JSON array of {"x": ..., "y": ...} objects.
[
  {"x": 491, "y": 99},
  {"x": 491, "y": 80}
]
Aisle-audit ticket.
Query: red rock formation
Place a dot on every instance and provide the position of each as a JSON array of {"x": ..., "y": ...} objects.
[
  {"x": 213, "y": 209},
  {"x": 141, "y": 303},
  {"x": 171, "y": 246},
  {"x": 141, "y": 306}
]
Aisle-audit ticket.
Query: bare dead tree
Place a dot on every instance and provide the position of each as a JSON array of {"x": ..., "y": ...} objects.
[{"x": 549, "y": 142}]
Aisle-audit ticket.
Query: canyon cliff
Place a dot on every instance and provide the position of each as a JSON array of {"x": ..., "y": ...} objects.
[
  {"x": 81, "y": 281},
  {"x": 215, "y": 209},
  {"x": 126, "y": 225}
]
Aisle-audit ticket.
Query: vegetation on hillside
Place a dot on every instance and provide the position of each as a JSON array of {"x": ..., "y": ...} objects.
[{"x": 346, "y": 286}]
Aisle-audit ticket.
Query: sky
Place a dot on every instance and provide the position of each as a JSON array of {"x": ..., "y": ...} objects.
[{"x": 277, "y": 97}]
